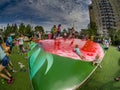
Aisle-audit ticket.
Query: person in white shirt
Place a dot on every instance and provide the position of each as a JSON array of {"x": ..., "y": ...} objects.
[{"x": 21, "y": 42}]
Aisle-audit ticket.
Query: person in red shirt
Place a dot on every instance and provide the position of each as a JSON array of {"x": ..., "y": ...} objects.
[{"x": 59, "y": 30}]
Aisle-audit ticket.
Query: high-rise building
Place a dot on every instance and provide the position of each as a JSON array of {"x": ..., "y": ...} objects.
[{"x": 106, "y": 14}]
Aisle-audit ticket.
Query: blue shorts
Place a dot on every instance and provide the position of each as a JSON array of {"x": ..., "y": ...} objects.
[{"x": 5, "y": 61}]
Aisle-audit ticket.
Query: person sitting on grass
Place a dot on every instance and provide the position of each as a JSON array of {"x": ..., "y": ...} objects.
[
  {"x": 97, "y": 61},
  {"x": 4, "y": 61},
  {"x": 78, "y": 52}
]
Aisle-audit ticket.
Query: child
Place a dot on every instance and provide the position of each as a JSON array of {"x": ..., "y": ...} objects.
[
  {"x": 77, "y": 51},
  {"x": 97, "y": 61},
  {"x": 17, "y": 44},
  {"x": 7, "y": 51},
  {"x": 21, "y": 43},
  {"x": 4, "y": 60},
  {"x": 5, "y": 48},
  {"x": 9, "y": 43}
]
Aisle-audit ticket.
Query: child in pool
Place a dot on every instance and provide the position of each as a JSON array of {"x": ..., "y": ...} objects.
[{"x": 78, "y": 52}]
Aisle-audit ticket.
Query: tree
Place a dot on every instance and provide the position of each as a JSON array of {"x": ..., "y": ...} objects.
[
  {"x": 93, "y": 25},
  {"x": 28, "y": 30},
  {"x": 15, "y": 29},
  {"x": 93, "y": 29},
  {"x": 39, "y": 28},
  {"x": 115, "y": 36},
  {"x": 7, "y": 30},
  {"x": 112, "y": 34},
  {"x": 22, "y": 28},
  {"x": 118, "y": 37}
]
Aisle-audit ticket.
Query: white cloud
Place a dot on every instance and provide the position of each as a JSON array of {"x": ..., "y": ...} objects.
[
  {"x": 63, "y": 11},
  {"x": 3, "y": 25},
  {"x": 50, "y": 12}
]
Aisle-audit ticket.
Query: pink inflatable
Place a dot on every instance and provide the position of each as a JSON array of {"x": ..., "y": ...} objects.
[{"x": 65, "y": 48}]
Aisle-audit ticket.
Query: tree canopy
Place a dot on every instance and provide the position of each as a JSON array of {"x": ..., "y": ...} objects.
[{"x": 27, "y": 30}]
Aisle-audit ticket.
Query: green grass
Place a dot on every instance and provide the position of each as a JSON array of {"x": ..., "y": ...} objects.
[
  {"x": 21, "y": 79},
  {"x": 102, "y": 79}
]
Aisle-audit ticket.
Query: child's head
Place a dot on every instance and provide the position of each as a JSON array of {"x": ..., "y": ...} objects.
[
  {"x": 97, "y": 56},
  {"x": 76, "y": 46}
]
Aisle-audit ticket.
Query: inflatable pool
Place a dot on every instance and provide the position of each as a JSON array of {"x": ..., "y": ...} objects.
[{"x": 55, "y": 66}]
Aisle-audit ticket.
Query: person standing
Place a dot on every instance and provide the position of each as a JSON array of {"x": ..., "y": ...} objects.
[
  {"x": 21, "y": 42},
  {"x": 54, "y": 32},
  {"x": 59, "y": 30},
  {"x": 9, "y": 42}
]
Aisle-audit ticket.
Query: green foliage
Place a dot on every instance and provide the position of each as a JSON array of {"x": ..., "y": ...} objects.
[
  {"x": 85, "y": 32},
  {"x": 93, "y": 25},
  {"x": 7, "y": 31},
  {"x": 92, "y": 31},
  {"x": 118, "y": 35},
  {"x": 15, "y": 29},
  {"x": 101, "y": 79},
  {"x": 44, "y": 36},
  {"x": 28, "y": 30},
  {"x": 115, "y": 36},
  {"x": 22, "y": 28},
  {"x": 21, "y": 78},
  {"x": 39, "y": 28}
]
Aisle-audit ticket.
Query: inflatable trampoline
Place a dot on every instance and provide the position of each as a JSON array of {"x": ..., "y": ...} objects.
[{"x": 55, "y": 66}]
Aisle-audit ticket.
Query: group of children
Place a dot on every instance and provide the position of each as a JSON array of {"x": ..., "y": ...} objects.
[
  {"x": 97, "y": 60},
  {"x": 5, "y": 51}
]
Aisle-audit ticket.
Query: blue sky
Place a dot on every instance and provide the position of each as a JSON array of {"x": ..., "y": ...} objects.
[{"x": 45, "y": 12}]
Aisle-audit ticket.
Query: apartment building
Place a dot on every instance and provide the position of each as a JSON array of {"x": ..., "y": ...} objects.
[{"x": 106, "y": 15}]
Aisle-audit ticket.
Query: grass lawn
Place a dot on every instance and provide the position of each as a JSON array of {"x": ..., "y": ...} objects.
[
  {"x": 21, "y": 78},
  {"x": 102, "y": 79}
]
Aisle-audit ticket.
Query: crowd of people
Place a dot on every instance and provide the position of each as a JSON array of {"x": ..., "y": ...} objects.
[
  {"x": 57, "y": 32},
  {"x": 6, "y": 46}
]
